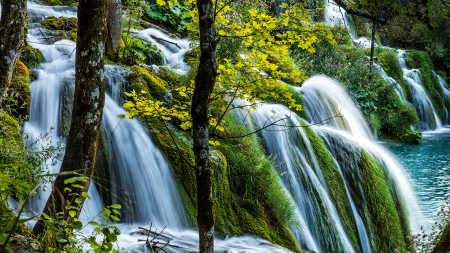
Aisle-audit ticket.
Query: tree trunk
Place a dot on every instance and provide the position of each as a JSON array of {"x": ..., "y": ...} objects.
[
  {"x": 372, "y": 44},
  {"x": 12, "y": 39},
  {"x": 204, "y": 84},
  {"x": 114, "y": 29},
  {"x": 87, "y": 107}
]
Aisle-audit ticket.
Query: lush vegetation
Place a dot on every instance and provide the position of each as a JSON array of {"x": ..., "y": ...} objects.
[{"x": 248, "y": 194}]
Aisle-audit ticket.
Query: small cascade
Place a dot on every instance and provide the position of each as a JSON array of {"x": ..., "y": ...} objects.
[
  {"x": 328, "y": 103},
  {"x": 428, "y": 117},
  {"x": 446, "y": 96},
  {"x": 335, "y": 15},
  {"x": 173, "y": 49},
  {"x": 391, "y": 81}
]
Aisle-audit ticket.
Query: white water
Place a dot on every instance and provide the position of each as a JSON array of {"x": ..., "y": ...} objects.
[
  {"x": 173, "y": 49},
  {"x": 428, "y": 117},
  {"x": 335, "y": 15},
  {"x": 391, "y": 81},
  {"x": 328, "y": 89},
  {"x": 446, "y": 96},
  {"x": 137, "y": 166},
  {"x": 328, "y": 103}
]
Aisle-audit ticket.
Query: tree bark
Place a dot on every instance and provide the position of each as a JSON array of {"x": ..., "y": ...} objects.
[
  {"x": 372, "y": 44},
  {"x": 204, "y": 84},
  {"x": 114, "y": 29},
  {"x": 12, "y": 39},
  {"x": 87, "y": 107}
]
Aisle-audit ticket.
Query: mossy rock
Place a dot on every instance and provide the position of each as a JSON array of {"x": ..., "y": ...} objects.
[
  {"x": 65, "y": 27},
  {"x": 19, "y": 95},
  {"x": 141, "y": 79},
  {"x": 101, "y": 170},
  {"x": 236, "y": 212},
  {"x": 67, "y": 96},
  {"x": 12, "y": 158},
  {"x": 31, "y": 56},
  {"x": 11, "y": 145},
  {"x": 443, "y": 244},
  {"x": 387, "y": 225},
  {"x": 334, "y": 183}
]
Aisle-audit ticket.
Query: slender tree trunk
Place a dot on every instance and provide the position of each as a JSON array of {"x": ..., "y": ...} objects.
[
  {"x": 372, "y": 44},
  {"x": 12, "y": 39},
  {"x": 204, "y": 84},
  {"x": 87, "y": 107},
  {"x": 114, "y": 29}
]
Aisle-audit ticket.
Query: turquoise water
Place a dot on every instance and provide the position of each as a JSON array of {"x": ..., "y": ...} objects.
[{"x": 428, "y": 165}]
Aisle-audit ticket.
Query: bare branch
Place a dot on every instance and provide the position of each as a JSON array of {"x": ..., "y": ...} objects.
[
  {"x": 350, "y": 10},
  {"x": 159, "y": 39}
]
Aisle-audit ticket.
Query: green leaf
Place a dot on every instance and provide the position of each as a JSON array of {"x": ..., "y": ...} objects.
[
  {"x": 72, "y": 214},
  {"x": 77, "y": 225},
  {"x": 116, "y": 206},
  {"x": 78, "y": 200},
  {"x": 115, "y": 218},
  {"x": 94, "y": 223}
]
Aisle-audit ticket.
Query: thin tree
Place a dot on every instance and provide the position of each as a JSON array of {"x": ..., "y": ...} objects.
[
  {"x": 204, "y": 85},
  {"x": 87, "y": 107},
  {"x": 12, "y": 39}
]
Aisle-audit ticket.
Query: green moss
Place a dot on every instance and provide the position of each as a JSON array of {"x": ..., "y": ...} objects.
[
  {"x": 334, "y": 183},
  {"x": 142, "y": 80},
  {"x": 387, "y": 225},
  {"x": 31, "y": 57},
  {"x": 422, "y": 61},
  {"x": 443, "y": 243},
  {"x": 178, "y": 152},
  {"x": 248, "y": 195},
  {"x": 17, "y": 101},
  {"x": 101, "y": 170},
  {"x": 341, "y": 35},
  {"x": 387, "y": 58},
  {"x": 65, "y": 27}
]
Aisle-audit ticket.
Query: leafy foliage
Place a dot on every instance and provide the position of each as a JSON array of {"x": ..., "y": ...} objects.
[{"x": 255, "y": 33}]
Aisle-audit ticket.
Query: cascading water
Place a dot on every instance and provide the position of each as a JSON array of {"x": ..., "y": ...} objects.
[
  {"x": 446, "y": 96},
  {"x": 142, "y": 177},
  {"x": 342, "y": 127},
  {"x": 139, "y": 173},
  {"x": 391, "y": 81},
  {"x": 335, "y": 15},
  {"x": 172, "y": 49},
  {"x": 428, "y": 117}
]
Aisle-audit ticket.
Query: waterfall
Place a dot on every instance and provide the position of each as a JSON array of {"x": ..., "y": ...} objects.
[
  {"x": 302, "y": 173},
  {"x": 446, "y": 96},
  {"x": 172, "y": 49},
  {"x": 428, "y": 117},
  {"x": 391, "y": 81},
  {"x": 141, "y": 176},
  {"x": 335, "y": 15}
]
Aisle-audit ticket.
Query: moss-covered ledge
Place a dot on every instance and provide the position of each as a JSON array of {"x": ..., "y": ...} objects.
[{"x": 260, "y": 209}]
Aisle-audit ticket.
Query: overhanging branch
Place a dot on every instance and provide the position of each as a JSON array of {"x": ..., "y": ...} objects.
[{"x": 379, "y": 18}]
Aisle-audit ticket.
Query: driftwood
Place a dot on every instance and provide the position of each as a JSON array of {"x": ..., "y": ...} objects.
[
  {"x": 152, "y": 244},
  {"x": 159, "y": 39}
]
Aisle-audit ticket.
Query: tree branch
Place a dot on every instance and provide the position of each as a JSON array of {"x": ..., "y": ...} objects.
[{"x": 350, "y": 10}]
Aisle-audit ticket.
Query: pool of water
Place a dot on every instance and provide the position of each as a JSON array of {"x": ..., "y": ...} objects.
[{"x": 428, "y": 165}]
